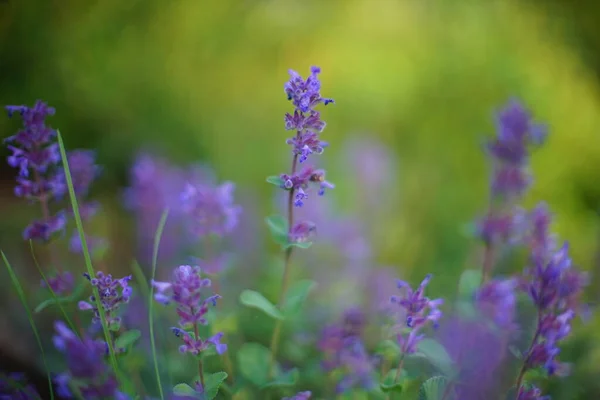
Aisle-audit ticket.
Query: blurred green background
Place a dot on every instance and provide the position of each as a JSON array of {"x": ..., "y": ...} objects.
[{"x": 203, "y": 81}]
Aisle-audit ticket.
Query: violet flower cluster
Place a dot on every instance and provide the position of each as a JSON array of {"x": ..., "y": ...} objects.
[
  {"x": 305, "y": 95},
  {"x": 87, "y": 369},
  {"x": 186, "y": 291},
  {"x": 555, "y": 286},
  {"x": 113, "y": 293},
  {"x": 299, "y": 396},
  {"x": 15, "y": 387},
  {"x": 420, "y": 312},
  {"x": 36, "y": 154},
  {"x": 343, "y": 350}
]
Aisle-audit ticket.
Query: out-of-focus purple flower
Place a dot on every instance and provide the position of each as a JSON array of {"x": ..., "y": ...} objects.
[
  {"x": 112, "y": 292},
  {"x": 15, "y": 387},
  {"x": 478, "y": 352},
  {"x": 210, "y": 209},
  {"x": 343, "y": 349},
  {"x": 420, "y": 311},
  {"x": 86, "y": 366},
  {"x": 185, "y": 290},
  {"x": 497, "y": 300},
  {"x": 214, "y": 265},
  {"x": 299, "y": 396},
  {"x": 300, "y": 182},
  {"x": 61, "y": 284},
  {"x": 302, "y": 231},
  {"x": 44, "y": 229},
  {"x": 93, "y": 243},
  {"x": 82, "y": 164},
  {"x": 35, "y": 153}
]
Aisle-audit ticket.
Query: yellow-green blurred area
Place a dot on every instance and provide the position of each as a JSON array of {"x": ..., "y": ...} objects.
[{"x": 202, "y": 80}]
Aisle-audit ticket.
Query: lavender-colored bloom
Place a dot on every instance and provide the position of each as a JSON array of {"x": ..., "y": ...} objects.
[
  {"x": 113, "y": 293},
  {"x": 531, "y": 393},
  {"x": 15, "y": 387},
  {"x": 299, "y": 396},
  {"x": 86, "y": 366},
  {"x": 82, "y": 164},
  {"x": 300, "y": 182},
  {"x": 302, "y": 231},
  {"x": 44, "y": 229},
  {"x": 305, "y": 94},
  {"x": 497, "y": 300},
  {"x": 210, "y": 209},
  {"x": 420, "y": 311},
  {"x": 185, "y": 290},
  {"x": 61, "y": 283}
]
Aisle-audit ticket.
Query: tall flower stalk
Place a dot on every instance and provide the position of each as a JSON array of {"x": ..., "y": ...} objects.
[{"x": 305, "y": 95}]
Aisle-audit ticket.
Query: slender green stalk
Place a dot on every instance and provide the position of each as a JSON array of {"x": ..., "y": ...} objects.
[
  {"x": 86, "y": 255},
  {"x": 62, "y": 309},
  {"x": 21, "y": 294},
  {"x": 157, "y": 236}
]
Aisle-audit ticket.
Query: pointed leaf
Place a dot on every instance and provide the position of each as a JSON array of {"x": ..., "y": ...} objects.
[
  {"x": 254, "y": 362},
  {"x": 128, "y": 338},
  {"x": 253, "y": 299},
  {"x": 287, "y": 379},
  {"x": 297, "y": 296},
  {"x": 437, "y": 355},
  {"x": 279, "y": 228},
  {"x": 435, "y": 389},
  {"x": 183, "y": 389},
  {"x": 212, "y": 383},
  {"x": 391, "y": 384},
  {"x": 275, "y": 180}
]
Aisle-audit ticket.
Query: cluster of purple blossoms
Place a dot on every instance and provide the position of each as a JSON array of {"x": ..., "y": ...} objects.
[
  {"x": 420, "y": 311},
  {"x": 185, "y": 289},
  {"x": 61, "y": 283},
  {"x": 344, "y": 350},
  {"x": 112, "y": 292},
  {"x": 497, "y": 299},
  {"x": 87, "y": 370},
  {"x": 35, "y": 152},
  {"x": 510, "y": 176},
  {"x": 299, "y": 396},
  {"x": 305, "y": 94},
  {"x": 15, "y": 387}
]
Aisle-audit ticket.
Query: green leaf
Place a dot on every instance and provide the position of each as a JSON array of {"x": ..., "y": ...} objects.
[
  {"x": 469, "y": 282},
  {"x": 212, "y": 383},
  {"x": 128, "y": 338},
  {"x": 253, "y": 299},
  {"x": 73, "y": 297},
  {"x": 114, "y": 325},
  {"x": 437, "y": 355},
  {"x": 300, "y": 245},
  {"x": 287, "y": 379},
  {"x": 435, "y": 389},
  {"x": 254, "y": 362},
  {"x": 389, "y": 383},
  {"x": 275, "y": 180},
  {"x": 183, "y": 389},
  {"x": 297, "y": 295},
  {"x": 512, "y": 393},
  {"x": 389, "y": 349},
  {"x": 279, "y": 228}
]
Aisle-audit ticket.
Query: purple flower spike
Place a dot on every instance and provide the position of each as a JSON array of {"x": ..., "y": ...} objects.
[
  {"x": 113, "y": 293},
  {"x": 301, "y": 182},
  {"x": 531, "y": 393},
  {"x": 302, "y": 231},
  {"x": 420, "y": 311},
  {"x": 86, "y": 366},
  {"x": 186, "y": 290},
  {"x": 210, "y": 209},
  {"x": 61, "y": 284}
]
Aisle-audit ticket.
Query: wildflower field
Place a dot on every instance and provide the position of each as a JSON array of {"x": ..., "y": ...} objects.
[{"x": 298, "y": 200}]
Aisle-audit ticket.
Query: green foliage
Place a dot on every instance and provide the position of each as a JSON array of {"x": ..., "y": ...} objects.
[
  {"x": 469, "y": 282},
  {"x": 254, "y": 299},
  {"x": 127, "y": 339},
  {"x": 435, "y": 389},
  {"x": 279, "y": 228},
  {"x": 254, "y": 363},
  {"x": 390, "y": 384},
  {"x": 297, "y": 295},
  {"x": 275, "y": 180},
  {"x": 183, "y": 389},
  {"x": 286, "y": 379},
  {"x": 435, "y": 353},
  {"x": 212, "y": 383},
  {"x": 56, "y": 300}
]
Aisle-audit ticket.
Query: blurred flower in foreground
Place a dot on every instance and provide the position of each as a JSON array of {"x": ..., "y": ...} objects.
[
  {"x": 14, "y": 387},
  {"x": 185, "y": 289},
  {"x": 299, "y": 396},
  {"x": 87, "y": 370}
]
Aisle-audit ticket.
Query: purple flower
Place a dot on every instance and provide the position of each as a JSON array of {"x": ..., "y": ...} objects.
[
  {"x": 82, "y": 164},
  {"x": 299, "y": 183},
  {"x": 305, "y": 94},
  {"x": 112, "y": 292},
  {"x": 61, "y": 284},
  {"x": 15, "y": 387},
  {"x": 497, "y": 299},
  {"x": 210, "y": 209},
  {"x": 86, "y": 366},
  {"x": 302, "y": 231},
  {"x": 185, "y": 290},
  {"x": 299, "y": 396},
  {"x": 531, "y": 393},
  {"x": 45, "y": 229},
  {"x": 420, "y": 311}
]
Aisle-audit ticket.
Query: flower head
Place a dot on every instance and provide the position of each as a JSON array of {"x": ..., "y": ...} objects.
[
  {"x": 305, "y": 94},
  {"x": 15, "y": 387},
  {"x": 186, "y": 290},
  {"x": 302, "y": 181},
  {"x": 61, "y": 283},
  {"x": 112, "y": 292}
]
